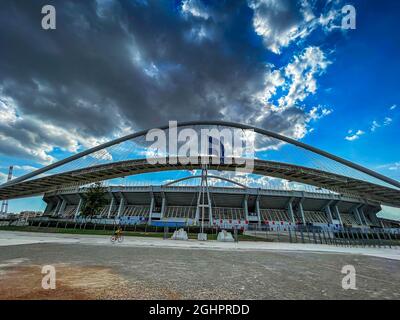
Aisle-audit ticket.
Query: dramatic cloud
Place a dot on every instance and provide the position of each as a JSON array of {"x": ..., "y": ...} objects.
[
  {"x": 302, "y": 72},
  {"x": 28, "y": 137},
  {"x": 112, "y": 67},
  {"x": 195, "y": 8},
  {"x": 282, "y": 22}
]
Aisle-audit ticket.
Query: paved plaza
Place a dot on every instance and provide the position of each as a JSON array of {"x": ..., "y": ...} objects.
[{"x": 90, "y": 267}]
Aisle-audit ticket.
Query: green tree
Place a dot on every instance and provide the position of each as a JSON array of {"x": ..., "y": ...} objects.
[{"x": 94, "y": 199}]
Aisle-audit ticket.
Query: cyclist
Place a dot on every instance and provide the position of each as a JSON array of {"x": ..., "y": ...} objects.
[{"x": 118, "y": 232}]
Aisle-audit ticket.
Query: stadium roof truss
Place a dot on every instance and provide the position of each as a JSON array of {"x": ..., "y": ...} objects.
[{"x": 40, "y": 181}]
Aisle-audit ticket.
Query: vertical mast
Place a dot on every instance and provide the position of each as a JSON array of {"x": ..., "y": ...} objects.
[{"x": 4, "y": 205}]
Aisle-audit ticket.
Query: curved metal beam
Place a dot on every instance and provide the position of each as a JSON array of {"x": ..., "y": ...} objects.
[
  {"x": 209, "y": 176},
  {"x": 215, "y": 123}
]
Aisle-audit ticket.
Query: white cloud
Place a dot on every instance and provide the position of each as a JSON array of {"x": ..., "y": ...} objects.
[
  {"x": 394, "y": 166},
  {"x": 393, "y": 107},
  {"x": 278, "y": 23},
  {"x": 272, "y": 81},
  {"x": 319, "y": 112},
  {"x": 28, "y": 137},
  {"x": 24, "y": 168},
  {"x": 195, "y": 8},
  {"x": 297, "y": 81},
  {"x": 375, "y": 125},
  {"x": 387, "y": 121},
  {"x": 355, "y": 136},
  {"x": 302, "y": 72},
  {"x": 256, "y": 181},
  {"x": 281, "y": 22}
]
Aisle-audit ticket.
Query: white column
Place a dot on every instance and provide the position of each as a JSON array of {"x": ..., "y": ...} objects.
[
  {"x": 363, "y": 216},
  {"x": 290, "y": 210},
  {"x": 328, "y": 211},
  {"x": 210, "y": 215},
  {"x": 151, "y": 207},
  {"x": 358, "y": 215},
  {"x": 197, "y": 216},
  {"x": 111, "y": 206},
  {"x": 121, "y": 205},
  {"x": 338, "y": 215},
  {"x": 302, "y": 212},
  {"x": 246, "y": 208},
  {"x": 258, "y": 210},
  {"x": 57, "y": 207},
  {"x": 78, "y": 208},
  {"x": 163, "y": 202},
  {"x": 62, "y": 208}
]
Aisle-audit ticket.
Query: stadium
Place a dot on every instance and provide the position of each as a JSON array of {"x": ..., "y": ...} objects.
[{"x": 321, "y": 191}]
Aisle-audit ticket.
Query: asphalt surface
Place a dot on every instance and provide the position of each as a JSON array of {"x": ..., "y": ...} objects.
[{"x": 95, "y": 271}]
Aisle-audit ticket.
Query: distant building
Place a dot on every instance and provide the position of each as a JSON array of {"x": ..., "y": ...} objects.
[{"x": 30, "y": 214}]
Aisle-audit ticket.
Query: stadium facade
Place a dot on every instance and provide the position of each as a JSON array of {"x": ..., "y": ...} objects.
[{"x": 226, "y": 207}]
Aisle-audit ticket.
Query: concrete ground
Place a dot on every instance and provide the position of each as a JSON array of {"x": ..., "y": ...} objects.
[{"x": 90, "y": 267}]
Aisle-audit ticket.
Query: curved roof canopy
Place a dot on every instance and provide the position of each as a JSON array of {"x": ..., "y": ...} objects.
[{"x": 40, "y": 181}]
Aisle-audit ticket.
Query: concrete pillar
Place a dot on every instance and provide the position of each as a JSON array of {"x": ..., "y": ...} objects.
[
  {"x": 210, "y": 214},
  {"x": 151, "y": 207},
  {"x": 357, "y": 213},
  {"x": 121, "y": 205},
  {"x": 197, "y": 216},
  {"x": 62, "y": 208},
  {"x": 78, "y": 208},
  {"x": 303, "y": 218},
  {"x": 57, "y": 207},
  {"x": 246, "y": 208},
  {"x": 329, "y": 213},
  {"x": 362, "y": 214},
  {"x": 112, "y": 203},
  {"x": 338, "y": 215},
  {"x": 290, "y": 210},
  {"x": 163, "y": 203},
  {"x": 258, "y": 210}
]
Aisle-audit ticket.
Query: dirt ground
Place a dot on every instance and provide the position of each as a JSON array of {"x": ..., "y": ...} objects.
[
  {"x": 98, "y": 272},
  {"x": 74, "y": 283}
]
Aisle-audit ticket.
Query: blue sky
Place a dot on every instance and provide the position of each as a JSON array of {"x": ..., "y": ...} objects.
[{"x": 114, "y": 67}]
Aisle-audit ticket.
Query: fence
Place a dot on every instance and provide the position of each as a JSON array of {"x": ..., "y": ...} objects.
[
  {"x": 339, "y": 237},
  {"x": 306, "y": 234}
]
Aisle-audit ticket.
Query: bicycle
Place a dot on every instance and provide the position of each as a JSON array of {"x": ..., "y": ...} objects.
[{"x": 114, "y": 238}]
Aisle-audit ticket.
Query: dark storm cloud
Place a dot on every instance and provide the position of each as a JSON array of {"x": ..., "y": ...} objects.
[
  {"x": 95, "y": 69},
  {"x": 111, "y": 65}
]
